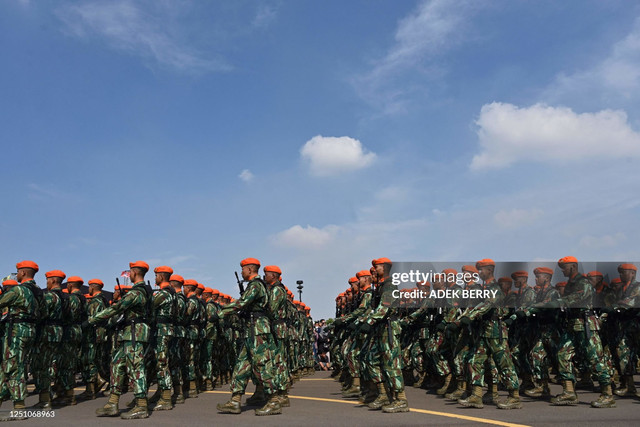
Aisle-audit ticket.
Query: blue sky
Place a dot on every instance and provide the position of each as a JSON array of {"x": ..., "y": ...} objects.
[{"x": 317, "y": 135}]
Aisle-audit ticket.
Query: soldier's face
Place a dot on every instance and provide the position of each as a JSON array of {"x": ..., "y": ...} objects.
[
  {"x": 627, "y": 275},
  {"x": 379, "y": 270},
  {"x": 521, "y": 281},
  {"x": 542, "y": 279},
  {"x": 595, "y": 280},
  {"x": 158, "y": 279},
  {"x": 506, "y": 287},
  {"x": 567, "y": 269},
  {"x": 20, "y": 275},
  {"x": 485, "y": 273}
]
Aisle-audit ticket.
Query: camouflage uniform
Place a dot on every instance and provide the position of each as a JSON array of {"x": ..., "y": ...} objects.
[
  {"x": 163, "y": 304},
  {"x": 45, "y": 365},
  {"x": 72, "y": 342},
  {"x": 278, "y": 311},
  {"x": 97, "y": 349},
  {"x": 178, "y": 347}
]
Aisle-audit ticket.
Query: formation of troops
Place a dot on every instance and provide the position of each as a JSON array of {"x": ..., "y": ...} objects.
[
  {"x": 578, "y": 331},
  {"x": 182, "y": 336}
]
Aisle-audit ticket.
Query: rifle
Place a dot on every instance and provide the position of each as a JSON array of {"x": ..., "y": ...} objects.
[{"x": 240, "y": 285}]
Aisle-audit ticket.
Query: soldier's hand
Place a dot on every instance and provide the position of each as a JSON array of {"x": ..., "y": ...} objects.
[
  {"x": 365, "y": 328},
  {"x": 465, "y": 321},
  {"x": 352, "y": 326}
]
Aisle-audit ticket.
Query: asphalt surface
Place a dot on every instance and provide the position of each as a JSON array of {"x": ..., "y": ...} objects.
[{"x": 316, "y": 400}]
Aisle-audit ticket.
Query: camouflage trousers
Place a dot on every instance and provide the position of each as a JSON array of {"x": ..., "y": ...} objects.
[
  {"x": 462, "y": 354},
  {"x": 390, "y": 357},
  {"x": 190, "y": 357},
  {"x": 417, "y": 359},
  {"x": 44, "y": 364},
  {"x": 628, "y": 346},
  {"x": 355, "y": 347},
  {"x": 543, "y": 352},
  {"x": 70, "y": 355},
  {"x": 281, "y": 376},
  {"x": 207, "y": 358},
  {"x": 177, "y": 360},
  {"x": 128, "y": 365},
  {"x": 437, "y": 351},
  {"x": 370, "y": 359},
  {"x": 161, "y": 351},
  {"x": 14, "y": 360},
  {"x": 255, "y": 358},
  {"x": 498, "y": 350},
  {"x": 591, "y": 350}
]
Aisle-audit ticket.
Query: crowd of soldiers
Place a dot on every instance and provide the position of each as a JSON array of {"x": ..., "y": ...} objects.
[
  {"x": 574, "y": 332},
  {"x": 185, "y": 337}
]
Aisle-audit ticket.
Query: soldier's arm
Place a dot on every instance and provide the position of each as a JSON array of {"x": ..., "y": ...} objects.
[
  {"x": 382, "y": 310},
  {"x": 631, "y": 301},
  {"x": 159, "y": 298},
  {"x": 9, "y": 298},
  {"x": 249, "y": 295},
  {"x": 130, "y": 299}
]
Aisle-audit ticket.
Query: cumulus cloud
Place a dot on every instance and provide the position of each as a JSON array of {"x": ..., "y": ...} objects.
[
  {"x": 334, "y": 155},
  {"x": 510, "y": 134},
  {"x": 145, "y": 33},
  {"x": 516, "y": 218},
  {"x": 246, "y": 175},
  {"x": 605, "y": 241},
  {"x": 306, "y": 237}
]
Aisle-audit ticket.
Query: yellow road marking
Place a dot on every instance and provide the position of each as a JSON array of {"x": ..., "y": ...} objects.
[{"x": 421, "y": 411}]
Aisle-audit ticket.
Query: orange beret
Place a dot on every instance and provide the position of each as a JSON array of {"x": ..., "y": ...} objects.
[
  {"x": 567, "y": 260},
  {"x": 191, "y": 282},
  {"x": 55, "y": 273},
  {"x": 545, "y": 270},
  {"x": 27, "y": 264},
  {"x": 353, "y": 280},
  {"x": 505, "y": 279},
  {"x": 176, "y": 278},
  {"x": 341, "y": 294},
  {"x": 74, "y": 279},
  {"x": 96, "y": 282},
  {"x": 348, "y": 291},
  {"x": 208, "y": 291},
  {"x": 485, "y": 262},
  {"x": 520, "y": 273},
  {"x": 249, "y": 261},
  {"x": 9, "y": 282},
  {"x": 200, "y": 286},
  {"x": 470, "y": 268},
  {"x": 450, "y": 271},
  {"x": 363, "y": 273},
  {"x": 595, "y": 274},
  {"x": 215, "y": 292},
  {"x": 627, "y": 267},
  {"x": 381, "y": 261},
  {"x": 616, "y": 281},
  {"x": 139, "y": 264},
  {"x": 272, "y": 269},
  {"x": 163, "y": 269},
  {"x": 561, "y": 284}
]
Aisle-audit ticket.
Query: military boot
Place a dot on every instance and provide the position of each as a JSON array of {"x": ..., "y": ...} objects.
[
  {"x": 111, "y": 408},
  {"x": 459, "y": 393},
  {"x": 283, "y": 397},
  {"x": 130, "y": 404},
  {"x": 272, "y": 407},
  {"x": 421, "y": 377},
  {"x": 69, "y": 397},
  {"x": 568, "y": 395},
  {"x": 445, "y": 385},
  {"x": 381, "y": 400},
  {"x": 258, "y": 397},
  {"x": 139, "y": 411},
  {"x": 606, "y": 398},
  {"x": 628, "y": 387},
  {"x": 371, "y": 392},
  {"x": 178, "y": 395},
  {"x": 44, "y": 401},
  {"x": 491, "y": 397},
  {"x": 539, "y": 389},
  {"x": 354, "y": 390},
  {"x": 164, "y": 402},
  {"x": 399, "y": 404},
  {"x": 193, "y": 389},
  {"x": 512, "y": 402},
  {"x": 156, "y": 396},
  {"x": 233, "y": 406},
  {"x": 89, "y": 393},
  {"x": 527, "y": 382},
  {"x": 474, "y": 399},
  {"x": 208, "y": 385}
]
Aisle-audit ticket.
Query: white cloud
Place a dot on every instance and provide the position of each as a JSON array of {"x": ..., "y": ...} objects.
[
  {"x": 335, "y": 155},
  {"x": 265, "y": 15},
  {"x": 305, "y": 237},
  {"x": 246, "y": 175},
  {"x": 145, "y": 33},
  {"x": 510, "y": 134},
  {"x": 516, "y": 218},
  {"x": 605, "y": 241}
]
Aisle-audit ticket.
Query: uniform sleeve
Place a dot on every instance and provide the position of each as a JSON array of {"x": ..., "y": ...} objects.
[
  {"x": 9, "y": 298},
  {"x": 130, "y": 299},
  {"x": 250, "y": 295}
]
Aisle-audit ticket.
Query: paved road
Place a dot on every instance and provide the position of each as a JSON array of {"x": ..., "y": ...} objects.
[{"x": 316, "y": 401}]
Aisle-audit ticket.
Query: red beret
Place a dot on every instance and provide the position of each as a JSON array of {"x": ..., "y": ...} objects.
[
  {"x": 163, "y": 269},
  {"x": 470, "y": 268},
  {"x": 272, "y": 269},
  {"x": 616, "y": 281},
  {"x": 27, "y": 264},
  {"x": 190, "y": 282},
  {"x": 450, "y": 271},
  {"x": 200, "y": 286},
  {"x": 96, "y": 282},
  {"x": 208, "y": 291},
  {"x": 363, "y": 273},
  {"x": 176, "y": 278},
  {"x": 353, "y": 280},
  {"x": 139, "y": 264},
  {"x": 595, "y": 274},
  {"x": 485, "y": 262},
  {"x": 55, "y": 273},
  {"x": 215, "y": 292},
  {"x": 545, "y": 270},
  {"x": 567, "y": 260},
  {"x": 627, "y": 267},
  {"x": 561, "y": 284},
  {"x": 520, "y": 273},
  {"x": 249, "y": 261},
  {"x": 505, "y": 279},
  {"x": 74, "y": 279},
  {"x": 381, "y": 261},
  {"x": 9, "y": 282},
  {"x": 348, "y": 291}
]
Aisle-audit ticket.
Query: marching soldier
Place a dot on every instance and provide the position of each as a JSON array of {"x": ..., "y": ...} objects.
[
  {"x": 96, "y": 350},
  {"x": 179, "y": 345},
  {"x": 164, "y": 313}
]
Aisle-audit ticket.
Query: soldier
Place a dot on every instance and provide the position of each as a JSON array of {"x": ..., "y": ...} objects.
[
  {"x": 24, "y": 302},
  {"x": 492, "y": 343},
  {"x": 578, "y": 335},
  {"x": 96, "y": 344},
  {"x": 193, "y": 335},
  {"x": 255, "y": 355},
  {"x": 520, "y": 337},
  {"x": 164, "y": 312},
  {"x": 211, "y": 338},
  {"x": 133, "y": 336},
  {"x": 178, "y": 346}
]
